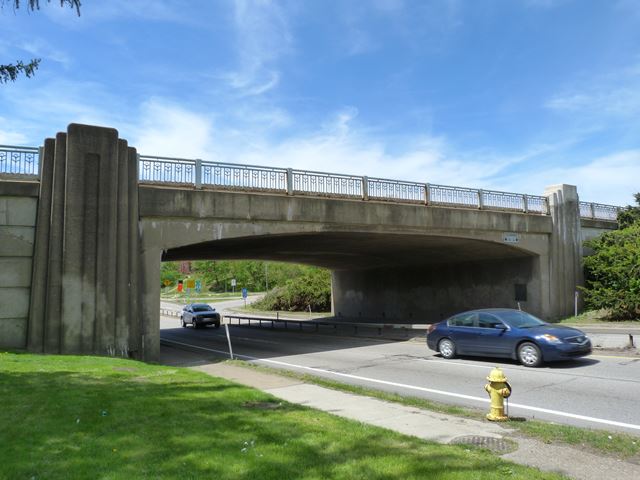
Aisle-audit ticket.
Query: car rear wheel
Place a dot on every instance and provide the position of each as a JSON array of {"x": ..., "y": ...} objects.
[
  {"x": 529, "y": 355},
  {"x": 447, "y": 348}
]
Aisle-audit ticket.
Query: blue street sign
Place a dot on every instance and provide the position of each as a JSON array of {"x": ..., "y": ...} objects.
[
  {"x": 198, "y": 286},
  {"x": 245, "y": 293}
]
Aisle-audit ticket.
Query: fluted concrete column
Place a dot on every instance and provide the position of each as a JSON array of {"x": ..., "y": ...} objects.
[
  {"x": 86, "y": 246},
  {"x": 565, "y": 250}
]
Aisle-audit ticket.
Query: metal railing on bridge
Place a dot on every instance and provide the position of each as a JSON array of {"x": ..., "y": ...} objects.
[
  {"x": 195, "y": 173},
  {"x": 19, "y": 161}
]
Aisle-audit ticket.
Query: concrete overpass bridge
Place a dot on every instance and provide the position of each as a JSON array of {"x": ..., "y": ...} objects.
[{"x": 85, "y": 223}]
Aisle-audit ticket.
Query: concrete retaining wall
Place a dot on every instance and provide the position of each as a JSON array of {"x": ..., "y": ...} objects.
[{"x": 18, "y": 205}]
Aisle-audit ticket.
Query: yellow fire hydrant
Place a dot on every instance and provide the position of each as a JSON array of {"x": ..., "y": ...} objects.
[{"x": 498, "y": 389}]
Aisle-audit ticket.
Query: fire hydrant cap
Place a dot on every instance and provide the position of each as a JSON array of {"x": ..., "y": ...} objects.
[{"x": 496, "y": 375}]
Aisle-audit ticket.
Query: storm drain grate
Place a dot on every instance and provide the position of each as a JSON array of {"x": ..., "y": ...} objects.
[{"x": 498, "y": 445}]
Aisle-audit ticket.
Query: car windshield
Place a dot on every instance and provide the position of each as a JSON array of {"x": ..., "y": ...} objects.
[
  {"x": 202, "y": 308},
  {"x": 519, "y": 319}
]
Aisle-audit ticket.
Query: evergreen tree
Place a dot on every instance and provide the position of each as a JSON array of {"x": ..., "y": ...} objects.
[{"x": 11, "y": 71}]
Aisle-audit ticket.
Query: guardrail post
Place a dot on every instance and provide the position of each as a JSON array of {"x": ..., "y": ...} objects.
[
  {"x": 427, "y": 194},
  {"x": 365, "y": 188},
  {"x": 480, "y": 199},
  {"x": 525, "y": 204},
  {"x": 289, "y": 181},
  {"x": 198, "y": 173},
  {"x": 40, "y": 156},
  {"x": 592, "y": 210}
]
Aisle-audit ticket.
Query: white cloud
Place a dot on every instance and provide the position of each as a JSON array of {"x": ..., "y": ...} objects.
[
  {"x": 8, "y": 136},
  {"x": 262, "y": 37},
  {"x": 610, "y": 179},
  {"x": 614, "y": 94},
  {"x": 45, "y": 50},
  {"x": 621, "y": 101},
  {"x": 171, "y": 131}
]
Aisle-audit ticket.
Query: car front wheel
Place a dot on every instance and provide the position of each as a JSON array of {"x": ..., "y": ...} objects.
[
  {"x": 184, "y": 325},
  {"x": 529, "y": 355},
  {"x": 447, "y": 348},
  {"x": 194, "y": 323}
]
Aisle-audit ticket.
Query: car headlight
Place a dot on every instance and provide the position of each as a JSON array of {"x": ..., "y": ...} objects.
[{"x": 549, "y": 338}]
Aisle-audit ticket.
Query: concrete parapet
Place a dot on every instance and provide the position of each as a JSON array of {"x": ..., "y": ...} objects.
[{"x": 83, "y": 275}]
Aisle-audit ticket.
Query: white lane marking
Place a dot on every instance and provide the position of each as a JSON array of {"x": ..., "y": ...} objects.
[{"x": 424, "y": 389}]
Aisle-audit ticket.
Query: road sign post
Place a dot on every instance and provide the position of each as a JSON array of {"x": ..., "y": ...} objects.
[{"x": 245, "y": 294}]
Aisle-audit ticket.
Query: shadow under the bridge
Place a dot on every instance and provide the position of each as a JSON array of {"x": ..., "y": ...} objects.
[{"x": 258, "y": 342}]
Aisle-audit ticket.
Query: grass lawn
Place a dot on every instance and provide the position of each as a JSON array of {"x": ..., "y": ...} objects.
[
  {"x": 619, "y": 445},
  {"x": 66, "y": 417}
]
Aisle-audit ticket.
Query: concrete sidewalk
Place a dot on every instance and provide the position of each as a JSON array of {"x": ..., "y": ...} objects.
[{"x": 430, "y": 426}]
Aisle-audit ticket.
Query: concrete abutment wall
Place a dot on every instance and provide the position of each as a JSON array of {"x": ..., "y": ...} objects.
[
  {"x": 18, "y": 206},
  {"x": 430, "y": 294}
]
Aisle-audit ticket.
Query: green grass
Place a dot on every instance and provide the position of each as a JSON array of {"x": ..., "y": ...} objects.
[
  {"x": 597, "y": 317},
  {"x": 66, "y": 417},
  {"x": 619, "y": 445}
]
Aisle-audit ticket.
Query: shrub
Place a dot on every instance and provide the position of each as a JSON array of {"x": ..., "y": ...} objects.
[
  {"x": 312, "y": 289},
  {"x": 612, "y": 273}
]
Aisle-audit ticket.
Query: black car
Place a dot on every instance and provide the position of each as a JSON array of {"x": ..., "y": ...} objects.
[
  {"x": 200, "y": 315},
  {"x": 503, "y": 332}
]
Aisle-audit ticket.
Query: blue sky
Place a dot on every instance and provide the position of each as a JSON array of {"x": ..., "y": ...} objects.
[{"x": 511, "y": 95}]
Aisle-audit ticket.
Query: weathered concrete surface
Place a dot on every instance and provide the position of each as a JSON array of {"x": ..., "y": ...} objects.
[
  {"x": 17, "y": 227},
  {"x": 82, "y": 277},
  {"x": 434, "y": 292},
  {"x": 565, "y": 253}
]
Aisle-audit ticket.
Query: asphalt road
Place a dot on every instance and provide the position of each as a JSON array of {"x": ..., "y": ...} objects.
[{"x": 600, "y": 391}]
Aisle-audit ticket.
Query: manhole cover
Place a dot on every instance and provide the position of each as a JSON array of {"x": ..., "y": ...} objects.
[{"x": 498, "y": 445}]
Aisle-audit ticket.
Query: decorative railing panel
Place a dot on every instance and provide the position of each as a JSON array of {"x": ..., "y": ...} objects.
[
  {"x": 167, "y": 170},
  {"x": 233, "y": 176},
  {"x": 383, "y": 189},
  {"x": 326, "y": 184},
  {"x": 24, "y": 162},
  {"x": 537, "y": 204},
  {"x": 599, "y": 211},
  {"x": 19, "y": 161},
  {"x": 444, "y": 195}
]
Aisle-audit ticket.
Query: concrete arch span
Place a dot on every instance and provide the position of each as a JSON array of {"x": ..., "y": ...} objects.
[
  {"x": 395, "y": 277},
  {"x": 338, "y": 250}
]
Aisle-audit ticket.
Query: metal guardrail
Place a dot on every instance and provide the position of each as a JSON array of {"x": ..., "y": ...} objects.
[
  {"x": 24, "y": 162},
  {"x": 315, "y": 325},
  {"x": 598, "y": 211},
  {"x": 19, "y": 161},
  {"x": 202, "y": 174}
]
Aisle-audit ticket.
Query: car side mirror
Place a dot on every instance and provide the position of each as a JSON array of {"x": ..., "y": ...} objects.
[{"x": 500, "y": 326}]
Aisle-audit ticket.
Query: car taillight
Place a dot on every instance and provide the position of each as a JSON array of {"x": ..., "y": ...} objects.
[{"x": 431, "y": 328}]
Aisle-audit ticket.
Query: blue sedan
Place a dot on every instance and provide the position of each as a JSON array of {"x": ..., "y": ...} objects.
[{"x": 503, "y": 332}]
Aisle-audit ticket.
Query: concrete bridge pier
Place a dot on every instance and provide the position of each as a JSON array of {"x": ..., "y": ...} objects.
[{"x": 85, "y": 284}]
